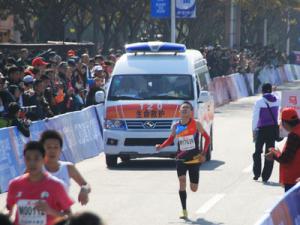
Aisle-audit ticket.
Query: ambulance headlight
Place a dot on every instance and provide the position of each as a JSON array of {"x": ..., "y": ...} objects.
[{"x": 115, "y": 124}]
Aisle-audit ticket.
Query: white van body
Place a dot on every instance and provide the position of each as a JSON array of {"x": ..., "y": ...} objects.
[{"x": 134, "y": 120}]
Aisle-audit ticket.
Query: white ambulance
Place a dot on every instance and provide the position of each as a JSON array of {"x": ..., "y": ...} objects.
[{"x": 148, "y": 85}]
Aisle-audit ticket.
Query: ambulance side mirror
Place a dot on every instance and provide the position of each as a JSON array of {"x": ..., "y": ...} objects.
[
  {"x": 204, "y": 97},
  {"x": 100, "y": 97}
]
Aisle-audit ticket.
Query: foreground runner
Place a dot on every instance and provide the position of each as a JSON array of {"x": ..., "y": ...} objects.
[
  {"x": 53, "y": 143},
  {"x": 188, "y": 156},
  {"x": 40, "y": 198}
]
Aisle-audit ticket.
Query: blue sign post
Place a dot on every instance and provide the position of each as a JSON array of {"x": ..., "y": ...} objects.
[{"x": 160, "y": 8}]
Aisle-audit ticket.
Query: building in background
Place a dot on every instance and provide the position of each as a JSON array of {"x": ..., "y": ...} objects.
[{"x": 7, "y": 32}]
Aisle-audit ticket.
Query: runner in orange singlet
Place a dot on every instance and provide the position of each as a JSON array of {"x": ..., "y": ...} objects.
[{"x": 188, "y": 157}]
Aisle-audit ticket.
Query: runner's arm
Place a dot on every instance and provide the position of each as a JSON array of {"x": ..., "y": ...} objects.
[
  {"x": 85, "y": 188},
  {"x": 42, "y": 205},
  {"x": 205, "y": 135},
  {"x": 169, "y": 141}
]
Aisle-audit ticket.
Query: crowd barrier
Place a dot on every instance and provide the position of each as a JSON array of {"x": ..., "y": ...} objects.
[
  {"x": 81, "y": 132},
  {"x": 232, "y": 87},
  {"x": 276, "y": 76},
  {"x": 235, "y": 86},
  {"x": 286, "y": 211}
]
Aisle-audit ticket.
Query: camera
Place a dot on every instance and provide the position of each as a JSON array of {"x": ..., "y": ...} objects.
[{"x": 28, "y": 109}]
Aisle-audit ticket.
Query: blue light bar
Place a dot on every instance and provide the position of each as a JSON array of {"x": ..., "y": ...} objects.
[{"x": 154, "y": 47}]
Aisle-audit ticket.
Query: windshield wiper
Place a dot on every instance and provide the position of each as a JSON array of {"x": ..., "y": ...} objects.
[
  {"x": 168, "y": 97},
  {"x": 125, "y": 97}
]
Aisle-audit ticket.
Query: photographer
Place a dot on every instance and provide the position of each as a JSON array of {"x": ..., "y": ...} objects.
[
  {"x": 15, "y": 119},
  {"x": 5, "y": 97},
  {"x": 38, "y": 99}
]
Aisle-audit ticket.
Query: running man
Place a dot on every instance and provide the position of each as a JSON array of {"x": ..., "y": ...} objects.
[
  {"x": 39, "y": 197},
  {"x": 53, "y": 143},
  {"x": 188, "y": 156}
]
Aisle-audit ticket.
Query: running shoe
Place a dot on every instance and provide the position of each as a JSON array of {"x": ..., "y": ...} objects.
[{"x": 184, "y": 214}]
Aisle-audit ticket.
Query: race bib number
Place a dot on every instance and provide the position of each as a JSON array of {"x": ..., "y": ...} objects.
[
  {"x": 29, "y": 215},
  {"x": 187, "y": 143}
]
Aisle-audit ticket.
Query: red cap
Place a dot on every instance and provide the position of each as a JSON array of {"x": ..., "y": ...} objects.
[
  {"x": 289, "y": 114},
  {"x": 28, "y": 72},
  {"x": 38, "y": 61},
  {"x": 71, "y": 53}
]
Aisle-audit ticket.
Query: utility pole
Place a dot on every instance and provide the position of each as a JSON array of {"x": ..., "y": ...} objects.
[
  {"x": 265, "y": 32},
  {"x": 288, "y": 32},
  {"x": 173, "y": 21},
  {"x": 232, "y": 23}
]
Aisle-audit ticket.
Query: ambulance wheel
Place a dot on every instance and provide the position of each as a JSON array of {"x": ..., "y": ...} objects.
[
  {"x": 111, "y": 161},
  {"x": 210, "y": 147},
  {"x": 208, "y": 154}
]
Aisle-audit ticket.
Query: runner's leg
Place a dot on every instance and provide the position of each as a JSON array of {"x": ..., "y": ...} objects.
[
  {"x": 181, "y": 173},
  {"x": 194, "y": 176}
]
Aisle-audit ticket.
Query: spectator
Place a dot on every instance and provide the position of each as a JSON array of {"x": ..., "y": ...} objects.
[
  {"x": 91, "y": 63},
  {"x": 86, "y": 218},
  {"x": 23, "y": 60},
  {"x": 97, "y": 71},
  {"x": 99, "y": 83},
  {"x": 5, "y": 97},
  {"x": 99, "y": 60},
  {"x": 38, "y": 99},
  {"x": 16, "y": 92},
  {"x": 289, "y": 158},
  {"x": 108, "y": 67},
  {"x": 14, "y": 75},
  {"x": 28, "y": 82},
  {"x": 264, "y": 122},
  {"x": 71, "y": 53},
  {"x": 15, "y": 120},
  {"x": 40, "y": 65}
]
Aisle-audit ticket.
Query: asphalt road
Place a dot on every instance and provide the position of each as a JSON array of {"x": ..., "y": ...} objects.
[{"x": 145, "y": 191}]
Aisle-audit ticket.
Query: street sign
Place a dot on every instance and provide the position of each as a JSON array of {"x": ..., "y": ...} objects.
[
  {"x": 185, "y": 8},
  {"x": 160, "y": 8}
]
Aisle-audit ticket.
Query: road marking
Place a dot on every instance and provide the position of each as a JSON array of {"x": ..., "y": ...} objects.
[
  {"x": 210, "y": 203},
  {"x": 248, "y": 169}
]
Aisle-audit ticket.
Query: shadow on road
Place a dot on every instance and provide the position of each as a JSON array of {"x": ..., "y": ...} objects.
[
  {"x": 270, "y": 183},
  {"x": 161, "y": 164},
  {"x": 202, "y": 221},
  {"x": 147, "y": 164},
  {"x": 212, "y": 165}
]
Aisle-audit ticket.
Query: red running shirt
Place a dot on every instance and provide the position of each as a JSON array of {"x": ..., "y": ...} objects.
[{"x": 25, "y": 193}]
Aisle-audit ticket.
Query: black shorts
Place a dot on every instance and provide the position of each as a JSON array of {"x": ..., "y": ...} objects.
[{"x": 193, "y": 169}]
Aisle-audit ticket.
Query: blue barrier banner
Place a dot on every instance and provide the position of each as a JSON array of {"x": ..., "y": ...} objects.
[
  {"x": 18, "y": 141},
  {"x": 8, "y": 163},
  {"x": 81, "y": 133},
  {"x": 185, "y": 8},
  {"x": 36, "y": 128},
  {"x": 160, "y": 8},
  {"x": 286, "y": 211}
]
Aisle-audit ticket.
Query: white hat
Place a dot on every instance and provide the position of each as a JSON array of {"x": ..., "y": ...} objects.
[
  {"x": 97, "y": 68},
  {"x": 28, "y": 79}
]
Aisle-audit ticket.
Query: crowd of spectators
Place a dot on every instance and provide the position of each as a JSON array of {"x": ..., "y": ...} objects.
[
  {"x": 35, "y": 88},
  {"x": 225, "y": 61}
]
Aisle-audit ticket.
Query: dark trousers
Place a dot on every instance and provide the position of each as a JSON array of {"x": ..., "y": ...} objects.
[{"x": 265, "y": 136}]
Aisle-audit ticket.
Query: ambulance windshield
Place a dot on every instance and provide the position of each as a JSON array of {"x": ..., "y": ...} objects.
[{"x": 151, "y": 87}]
